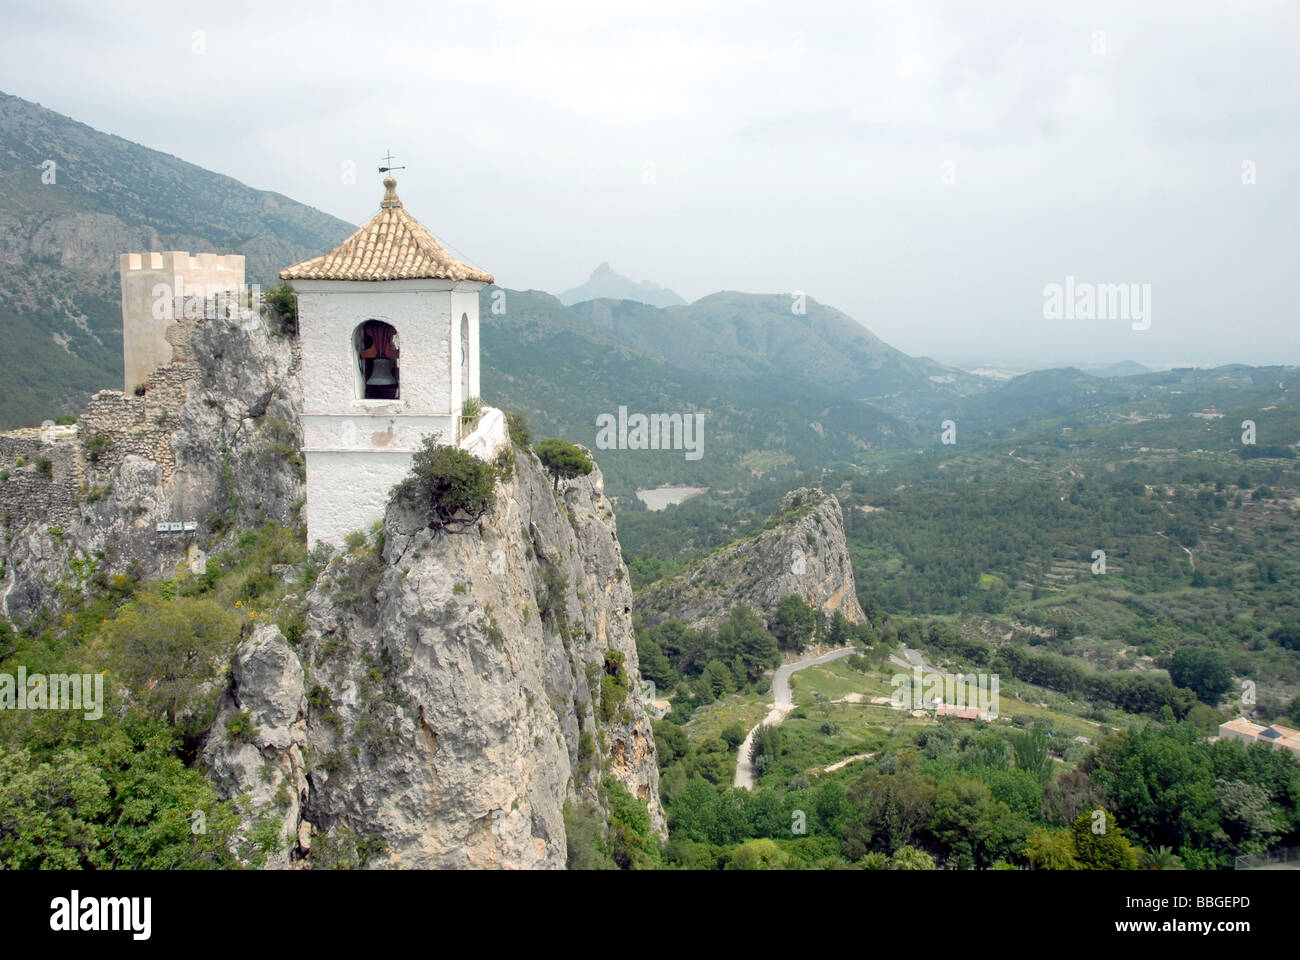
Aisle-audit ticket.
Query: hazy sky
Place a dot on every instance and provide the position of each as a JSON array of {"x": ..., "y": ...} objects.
[{"x": 926, "y": 168}]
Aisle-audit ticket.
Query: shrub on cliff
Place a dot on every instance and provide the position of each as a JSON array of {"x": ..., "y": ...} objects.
[
  {"x": 448, "y": 485},
  {"x": 521, "y": 435},
  {"x": 97, "y": 447},
  {"x": 282, "y": 303}
]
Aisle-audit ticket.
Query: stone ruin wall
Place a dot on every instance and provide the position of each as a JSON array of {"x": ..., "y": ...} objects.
[
  {"x": 131, "y": 425},
  {"x": 30, "y": 494}
]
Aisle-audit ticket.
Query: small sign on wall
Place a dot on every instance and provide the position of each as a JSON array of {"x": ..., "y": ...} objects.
[{"x": 176, "y": 526}]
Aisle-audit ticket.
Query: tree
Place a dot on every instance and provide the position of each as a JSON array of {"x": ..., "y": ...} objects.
[
  {"x": 1068, "y": 796},
  {"x": 172, "y": 656},
  {"x": 760, "y": 854},
  {"x": 1248, "y": 816},
  {"x": 733, "y": 735},
  {"x": 119, "y": 799},
  {"x": 521, "y": 435},
  {"x": 1162, "y": 858},
  {"x": 584, "y": 833},
  {"x": 632, "y": 841},
  {"x": 892, "y": 809},
  {"x": 1051, "y": 850},
  {"x": 766, "y": 748},
  {"x": 671, "y": 742},
  {"x": 713, "y": 761},
  {"x": 742, "y": 635},
  {"x": 965, "y": 821},
  {"x": 910, "y": 858},
  {"x": 447, "y": 485},
  {"x": 282, "y": 303},
  {"x": 1162, "y": 783},
  {"x": 563, "y": 460},
  {"x": 654, "y": 665},
  {"x": 717, "y": 677},
  {"x": 1287, "y": 635},
  {"x": 793, "y": 623},
  {"x": 1099, "y": 843},
  {"x": 1202, "y": 670},
  {"x": 694, "y": 814},
  {"x": 1030, "y": 747}
]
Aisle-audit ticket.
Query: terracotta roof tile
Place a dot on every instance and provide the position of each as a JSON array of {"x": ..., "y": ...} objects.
[{"x": 391, "y": 246}]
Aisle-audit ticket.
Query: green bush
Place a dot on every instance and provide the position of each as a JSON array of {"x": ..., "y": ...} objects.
[
  {"x": 115, "y": 797},
  {"x": 632, "y": 842},
  {"x": 448, "y": 485},
  {"x": 614, "y": 685},
  {"x": 240, "y": 727},
  {"x": 521, "y": 435},
  {"x": 584, "y": 834},
  {"x": 550, "y": 602},
  {"x": 172, "y": 656},
  {"x": 98, "y": 446},
  {"x": 282, "y": 303}
]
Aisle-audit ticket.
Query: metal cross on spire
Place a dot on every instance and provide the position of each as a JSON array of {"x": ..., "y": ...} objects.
[{"x": 388, "y": 159}]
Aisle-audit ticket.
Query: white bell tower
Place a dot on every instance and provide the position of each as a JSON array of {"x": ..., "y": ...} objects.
[{"x": 388, "y": 323}]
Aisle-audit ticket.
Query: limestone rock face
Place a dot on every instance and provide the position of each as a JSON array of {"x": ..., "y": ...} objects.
[
  {"x": 454, "y": 699},
  {"x": 269, "y": 762},
  {"x": 213, "y": 440},
  {"x": 802, "y": 551}
]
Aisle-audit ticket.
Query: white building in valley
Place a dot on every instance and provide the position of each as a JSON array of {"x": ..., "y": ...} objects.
[{"x": 388, "y": 323}]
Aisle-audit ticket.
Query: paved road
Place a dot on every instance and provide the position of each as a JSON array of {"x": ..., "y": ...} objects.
[
  {"x": 914, "y": 659},
  {"x": 782, "y": 704}
]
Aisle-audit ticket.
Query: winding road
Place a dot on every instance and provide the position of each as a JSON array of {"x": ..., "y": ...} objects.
[
  {"x": 782, "y": 704},
  {"x": 914, "y": 659}
]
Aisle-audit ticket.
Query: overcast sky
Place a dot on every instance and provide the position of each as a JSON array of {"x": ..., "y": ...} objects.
[{"x": 926, "y": 168}]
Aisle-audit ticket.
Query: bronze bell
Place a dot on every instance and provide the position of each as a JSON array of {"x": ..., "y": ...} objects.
[{"x": 381, "y": 374}]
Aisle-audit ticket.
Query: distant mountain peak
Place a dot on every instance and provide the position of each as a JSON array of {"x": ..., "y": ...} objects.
[{"x": 605, "y": 283}]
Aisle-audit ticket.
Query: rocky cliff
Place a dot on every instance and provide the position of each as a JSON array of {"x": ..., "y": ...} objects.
[
  {"x": 801, "y": 550},
  {"x": 445, "y": 694},
  {"x": 213, "y": 441}
]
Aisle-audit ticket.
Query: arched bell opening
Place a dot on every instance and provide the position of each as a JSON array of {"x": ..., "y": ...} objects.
[{"x": 376, "y": 346}]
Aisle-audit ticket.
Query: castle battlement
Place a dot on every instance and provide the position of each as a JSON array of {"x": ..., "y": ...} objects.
[
  {"x": 151, "y": 284},
  {"x": 180, "y": 261}
]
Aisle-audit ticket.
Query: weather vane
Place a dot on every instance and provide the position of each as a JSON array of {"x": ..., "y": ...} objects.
[{"x": 388, "y": 159}]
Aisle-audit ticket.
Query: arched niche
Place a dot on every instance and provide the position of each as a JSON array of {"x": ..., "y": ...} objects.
[{"x": 376, "y": 348}]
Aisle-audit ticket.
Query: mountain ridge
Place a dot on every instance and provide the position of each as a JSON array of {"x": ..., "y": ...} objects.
[{"x": 605, "y": 284}]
